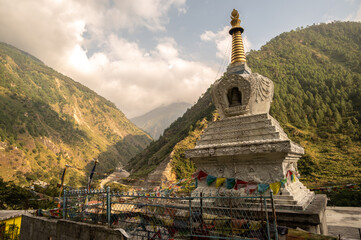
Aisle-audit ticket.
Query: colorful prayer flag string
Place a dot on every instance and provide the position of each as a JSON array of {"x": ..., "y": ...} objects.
[{"x": 249, "y": 186}]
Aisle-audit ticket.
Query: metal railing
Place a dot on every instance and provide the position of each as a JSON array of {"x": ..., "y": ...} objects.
[{"x": 160, "y": 216}]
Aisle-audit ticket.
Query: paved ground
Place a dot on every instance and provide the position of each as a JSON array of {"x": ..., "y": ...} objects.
[{"x": 344, "y": 222}]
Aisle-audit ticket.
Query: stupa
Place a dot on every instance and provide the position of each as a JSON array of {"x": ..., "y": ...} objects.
[{"x": 247, "y": 143}]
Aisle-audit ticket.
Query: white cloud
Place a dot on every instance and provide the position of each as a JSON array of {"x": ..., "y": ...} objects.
[
  {"x": 137, "y": 82},
  {"x": 358, "y": 15},
  {"x": 135, "y": 79},
  {"x": 223, "y": 42},
  {"x": 354, "y": 16},
  {"x": 182, "y": 11}
]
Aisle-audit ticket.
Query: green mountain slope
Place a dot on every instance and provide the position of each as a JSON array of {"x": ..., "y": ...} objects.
[
  {"x": 155, "y": 121},
  {"x": 317, "y": 76},
  {"x": 157, "y": 151},
  {"x": 48, "y": 120}
]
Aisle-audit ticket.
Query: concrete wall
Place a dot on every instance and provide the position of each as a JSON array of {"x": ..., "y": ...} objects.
[{"x": 40, "y": 228}]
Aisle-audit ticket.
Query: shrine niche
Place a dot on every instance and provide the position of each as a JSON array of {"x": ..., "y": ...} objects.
[{"x": 234, "y": 97}]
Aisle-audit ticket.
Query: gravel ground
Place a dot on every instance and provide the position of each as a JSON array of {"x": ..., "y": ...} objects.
[{"x": 344, "y": 222}]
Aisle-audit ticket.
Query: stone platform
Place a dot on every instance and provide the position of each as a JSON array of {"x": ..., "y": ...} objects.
[{"x": 312, "y": 219}]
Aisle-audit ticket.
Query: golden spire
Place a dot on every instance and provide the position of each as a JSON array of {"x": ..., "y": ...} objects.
[{"x": 237, "y": 43}]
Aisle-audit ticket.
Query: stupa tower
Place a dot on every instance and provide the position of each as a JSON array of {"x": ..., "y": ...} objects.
[{"x": 247, "y": 143}]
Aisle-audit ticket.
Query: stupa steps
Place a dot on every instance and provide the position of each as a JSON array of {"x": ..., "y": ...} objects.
[
  {"x": 301, "y": 195},
  {"x": 241, "y": 139},
  {"x": 244, "y": 120},
  {"x": 211, "y": 204},
  {"x": 285, "y": 202},
  {"x": 296, "y": 186},
  {"x": 227, "y": 125},
  {"x": 279, "y": 204},
  {"x": 219, "y": 126},
  {"x": 239, "y": 132}
]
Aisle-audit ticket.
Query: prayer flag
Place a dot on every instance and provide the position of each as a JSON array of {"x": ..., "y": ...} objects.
[
  {"x": 230, "y": 183},
  {"x": 210, "y": 179},
  {"x": 275, "y": 187},
  {"x": 262, "y": 187},
  {"x": 202, "y": 175},
  {"x": 251, "y": 187},
  {"x": 219, "y": 182},
  {"x": 283, "y": 181},
  {"x": 293, "y": 178},
  {"x": 240, "y": 184}
]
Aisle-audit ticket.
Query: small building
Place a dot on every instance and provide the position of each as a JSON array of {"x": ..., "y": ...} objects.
[{"x": 10, "y": 223}]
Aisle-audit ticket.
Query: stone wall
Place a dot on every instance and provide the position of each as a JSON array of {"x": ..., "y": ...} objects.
[{"x": 40, "y": 228}]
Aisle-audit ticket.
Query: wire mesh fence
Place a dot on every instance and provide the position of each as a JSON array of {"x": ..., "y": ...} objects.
[
  {"x": 157, "y": 216},
  {"x": 81, "y": 205}
]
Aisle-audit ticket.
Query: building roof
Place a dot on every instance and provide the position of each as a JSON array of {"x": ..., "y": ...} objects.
[{"x": 7, "y": 214}]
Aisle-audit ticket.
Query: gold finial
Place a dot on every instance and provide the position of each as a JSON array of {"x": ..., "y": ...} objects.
[
  {"x": 237, "y": 43},
  {"x": 235, "y": 22}
]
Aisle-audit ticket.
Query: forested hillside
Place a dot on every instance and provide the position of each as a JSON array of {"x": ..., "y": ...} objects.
[
  {"x": 48, "y": 120},
  {"x": 317, "y": 77}
]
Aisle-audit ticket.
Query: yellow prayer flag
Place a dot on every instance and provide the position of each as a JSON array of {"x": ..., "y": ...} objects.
[
  {"x": 275, "y": 187},
  {"x": 220, "y": 181}
]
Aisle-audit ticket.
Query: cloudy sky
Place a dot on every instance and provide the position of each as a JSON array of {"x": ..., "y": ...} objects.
[{"x": 141, "y": 54}]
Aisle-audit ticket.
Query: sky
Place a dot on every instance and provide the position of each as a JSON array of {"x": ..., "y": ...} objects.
[{"x": 141, "y": 54}]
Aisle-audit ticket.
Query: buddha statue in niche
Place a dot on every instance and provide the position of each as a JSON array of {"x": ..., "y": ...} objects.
[{"x": 234, "y": 97}]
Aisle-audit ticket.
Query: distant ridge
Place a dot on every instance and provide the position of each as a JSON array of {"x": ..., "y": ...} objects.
[{"x": 158, "y": 119}]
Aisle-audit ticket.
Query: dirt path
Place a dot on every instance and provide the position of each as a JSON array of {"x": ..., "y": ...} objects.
[{"x": 115, "y": 176}]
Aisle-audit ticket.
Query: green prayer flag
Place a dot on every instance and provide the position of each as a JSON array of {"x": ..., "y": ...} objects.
[
  {"x": 230, "y": 182},
  {"x": 210, "y": 179}
]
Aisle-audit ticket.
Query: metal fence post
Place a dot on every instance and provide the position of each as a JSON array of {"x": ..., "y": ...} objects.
[
  {"x": 274, "y": 216},
  {"x": 266, "y": 212},
  {"x": 64, "y": 204},
  {"x": 108, "y": 205},
  {"x": 201, "y": 201},
  {"x": 190, "y": 218}
]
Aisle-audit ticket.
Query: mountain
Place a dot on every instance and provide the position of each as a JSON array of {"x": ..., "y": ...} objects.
[
  {"x": 48, "y": 120},
  {"x": 317, "y": 76},
  {"x": 158, "y": 151},
  {"x": 155, "y": 121}
]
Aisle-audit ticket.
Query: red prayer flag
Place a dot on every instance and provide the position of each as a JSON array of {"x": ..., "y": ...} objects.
[
  {"x": 201, "y": 175},
  {"x": 251, "y": 188},
  {"x": 240, "y": 184}
]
